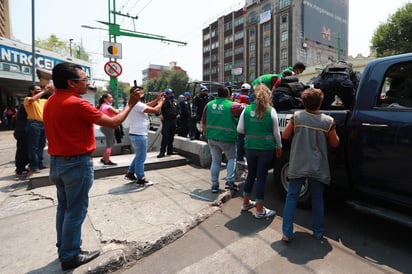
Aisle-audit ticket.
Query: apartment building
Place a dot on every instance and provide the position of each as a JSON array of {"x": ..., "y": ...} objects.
[{"x": 266, "y": 36}]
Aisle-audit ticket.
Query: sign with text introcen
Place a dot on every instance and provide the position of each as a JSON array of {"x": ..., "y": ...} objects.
[
  {"x": 112, "y": 50},
  {"x": 113, "y": 69}
]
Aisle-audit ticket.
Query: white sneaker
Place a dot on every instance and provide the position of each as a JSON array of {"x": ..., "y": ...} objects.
[
  {"x": 265, "y": 214},
  {"x": 251, "y": 204}
]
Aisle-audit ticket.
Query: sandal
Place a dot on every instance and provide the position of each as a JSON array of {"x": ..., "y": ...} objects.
[{"x": 285, "y": 239}]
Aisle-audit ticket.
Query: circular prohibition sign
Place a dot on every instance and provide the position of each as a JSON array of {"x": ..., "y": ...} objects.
[{"x": 113, "y": 69}]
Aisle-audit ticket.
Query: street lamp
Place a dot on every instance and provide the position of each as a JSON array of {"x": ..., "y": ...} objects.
[{"x": 70, "y": 45}]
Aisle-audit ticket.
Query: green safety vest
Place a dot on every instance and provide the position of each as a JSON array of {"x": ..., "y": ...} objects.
[
  {"x": 265, "y": 79},
  {"x": 258, "y": 132},
  {"x": 220, "y": 124}
]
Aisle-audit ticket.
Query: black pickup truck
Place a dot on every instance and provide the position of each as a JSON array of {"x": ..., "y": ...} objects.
[{"x": 372, "y": 167}]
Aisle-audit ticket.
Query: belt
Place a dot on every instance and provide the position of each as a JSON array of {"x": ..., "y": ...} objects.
[
  {"x": 72, "y": 157},
  {"x": 32, "y": 120}
]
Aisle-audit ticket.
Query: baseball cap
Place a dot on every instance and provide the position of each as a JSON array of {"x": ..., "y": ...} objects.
[
  {"x": 186, "y": 93},
  {"x": 245, "y": 86},
  {"x": 203, "y": 88},
  {"x": 168, "y": 91}
]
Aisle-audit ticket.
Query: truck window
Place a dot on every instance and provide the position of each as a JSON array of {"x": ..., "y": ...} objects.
[{"x": 396, "y": 91}]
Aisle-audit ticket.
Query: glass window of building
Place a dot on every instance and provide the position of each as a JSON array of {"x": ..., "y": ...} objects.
[
  {"x": 239, "y": 35},
  {"x": 228, "y": 52},
  {"x": 252, "y": 61},
  {"x": 214, "y": 33},
  {"x": 253, "y": 17},
  {"x": 239, "y": 21},
  {"x": 252, "y": 76},
  {"x": 252, "y": 46},
  {"x": 206, "y": 48},
  {"x": 206, "y": 36},
  {"x": 228, "y": 39},
  {"x": 266, "y": 7},
  {"x": 284, "y": 19},
  {"x": 266, "y": 58},
  {"x": 284, "y": 36},
  {"x": 283, "y": 3},
  {"x": 266, "y": 26},
  {"x": 252, "y": 32},
  {"x": 228, "y": 66},
  {"x": 239, "y": 49},
  {"x": 228, "y": 26},
  {"x": 284, "y": 54},
  {"x": 266, "y": 42}
]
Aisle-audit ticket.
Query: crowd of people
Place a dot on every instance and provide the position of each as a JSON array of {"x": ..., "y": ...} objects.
[{"x": 240, "y": 128}]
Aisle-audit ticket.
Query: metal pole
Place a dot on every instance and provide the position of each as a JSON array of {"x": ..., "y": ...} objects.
[
  {"x": 338, "y": 46},
  {"x": 33, "y": 48},
  {"x": 113, "y": 80},
  {"x": 70, "y": 45}
]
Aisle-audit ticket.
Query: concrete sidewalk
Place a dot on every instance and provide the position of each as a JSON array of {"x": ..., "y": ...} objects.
[{"x": 124, "y": 221}]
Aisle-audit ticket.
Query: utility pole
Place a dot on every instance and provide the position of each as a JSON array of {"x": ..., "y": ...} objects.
[{"x": 115, "y": 31}]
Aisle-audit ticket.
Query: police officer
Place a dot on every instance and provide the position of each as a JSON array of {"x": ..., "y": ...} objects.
[
  {"x": 199, "y": 103},
  {"x": 168, "y": 117},
  {"x": 184, "y": 115}
]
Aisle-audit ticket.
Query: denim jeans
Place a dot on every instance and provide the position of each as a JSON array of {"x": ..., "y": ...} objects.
[
  {"x": 139, "y": 143},
  {"x": 36, "y": 141},
  {"x": 73, "y": 177},
  {"x": 316, "y": 191},
  {"x": 216, "y": 150},
  {"x": 259, "y": 162},
  {"x": 240, "y": 147}
]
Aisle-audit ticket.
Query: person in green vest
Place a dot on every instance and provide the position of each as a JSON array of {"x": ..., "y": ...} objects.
[
  {"x": 259, "y": 123},
  {"x": 219, "y": 123}
]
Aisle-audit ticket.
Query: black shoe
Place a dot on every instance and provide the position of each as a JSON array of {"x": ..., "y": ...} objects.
[
  {"x": 81, "y": 258},
  {"x": 102, "y": 161},
  {"x": 160, "y": 155},
  {"x": 171, "y": 153},
  {"x": 110, "y": 163},
  {"x": 130, "y": 176}
]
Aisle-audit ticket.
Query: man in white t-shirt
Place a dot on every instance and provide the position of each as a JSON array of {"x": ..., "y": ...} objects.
[{"x": 138, "y": 130}]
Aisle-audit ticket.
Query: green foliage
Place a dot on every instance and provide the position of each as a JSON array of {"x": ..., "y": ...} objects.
[
  {"x": 53, "y": 43},
  {"x": 394, "y": 36},
  {"x": 174, "y": 79}
]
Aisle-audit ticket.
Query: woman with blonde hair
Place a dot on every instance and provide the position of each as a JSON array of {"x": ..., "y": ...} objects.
[{"x": 259, "y": 123}]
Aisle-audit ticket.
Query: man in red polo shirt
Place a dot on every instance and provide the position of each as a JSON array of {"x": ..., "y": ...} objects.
[{"x": 69, "y": 124}]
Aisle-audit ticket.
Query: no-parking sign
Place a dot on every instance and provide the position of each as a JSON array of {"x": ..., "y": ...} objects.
[{"x": 113, "y": 69}]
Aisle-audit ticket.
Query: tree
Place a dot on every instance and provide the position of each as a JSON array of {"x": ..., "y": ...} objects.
[
  {"x": 53, "y": 43},
  {"x": 394, "y": 36},
  {"x": 174, "y": 79}
]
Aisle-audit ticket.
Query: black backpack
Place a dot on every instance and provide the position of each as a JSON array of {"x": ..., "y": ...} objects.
[
  {"x": 287, "y": 94},
  {"x": 337, "y": 79}
]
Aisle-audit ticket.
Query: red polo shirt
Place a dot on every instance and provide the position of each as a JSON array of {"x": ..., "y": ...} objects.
[{"x": 69, "y": 124}]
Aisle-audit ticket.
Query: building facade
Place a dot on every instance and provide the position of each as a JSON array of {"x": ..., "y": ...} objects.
[
  {"x": 153, "y": 71},
  {"x": 266, "y": 36},
  {"x": 5, "y": 28}
]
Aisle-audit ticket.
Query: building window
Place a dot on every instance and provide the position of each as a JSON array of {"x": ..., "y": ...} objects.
[
  {"x": 239, "y": 35},
  {"x": 252, "y": 61},
  {"x": 239, "y": 49},
  {"x": 284, "y": 54},
  {"x": 253, "y": 17},
  {"x": 252, "y": 46},
  {"x": 228, "y": 39},
  {"x": 266, "y": 26},
  {"x": 206, "y": 37},
  {"x": 266, "y": 8},
  {"x": 283, "y": 3},
  {"x": 239, "y": 21},
  {"x": 228, "y": 66},
  {"x": 284, "y": 36},
  {"x": 266, "y": 42},
  {"x": 266, "y": 58},
  {"x": 228, "y": 52},
  {"x": 284, "y": 19},
  {"x": 206, "y": 48},
  {"x": 252, "y": 76},
  {"x": 228, "y": 26},
  {"x": 252, "y": 32},
  {"x": 214, "y": 33}
]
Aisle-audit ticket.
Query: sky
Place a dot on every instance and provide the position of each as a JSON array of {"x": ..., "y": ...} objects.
[{"x": 181, "y": 20}]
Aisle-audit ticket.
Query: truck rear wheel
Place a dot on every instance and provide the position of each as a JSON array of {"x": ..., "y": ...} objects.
[{"x": 280, "y": 173}]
